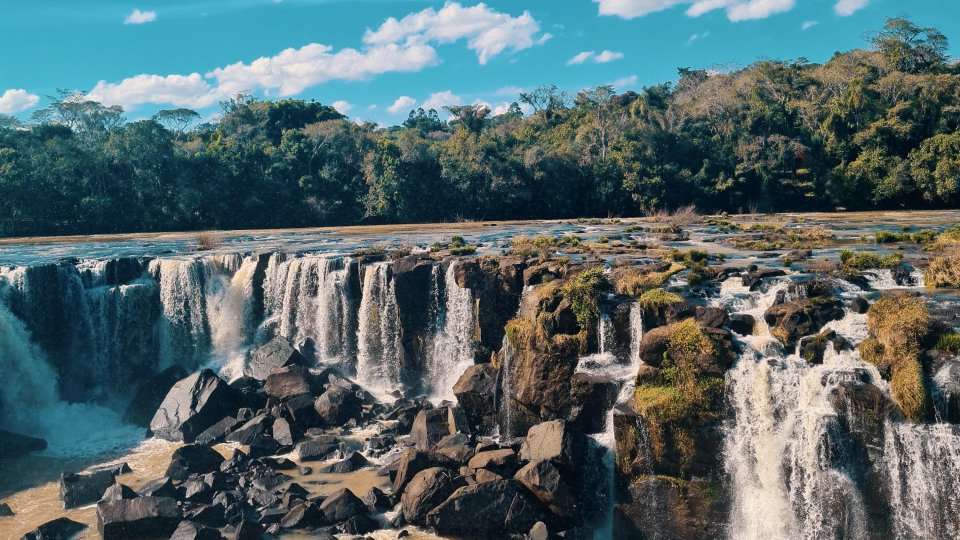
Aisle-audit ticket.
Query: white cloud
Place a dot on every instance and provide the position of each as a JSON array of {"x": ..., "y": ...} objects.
[
  {"x": 580, "y": 58},
  {"x": 438, "y": 100},
  {"x": 510, "y": 91},
  {"x": 696, "y": 37},
  {"x": 487, "y": 31},
  {"x": 342, "y": 107},
  {"x": 737, "y": 10},
  {"x": 601, "y": 58},
  {"x": 402, "y": 104},
  {"x": 845, "y": 8},
  {"x": 17, "y": 100},
  {"x": 180, "y": 90},
  {"x": 625, "y": 82},
  {"x": 140, "y": 17},
  {"x": 808, "y": 24},
  {"x": 607, "y": 56}
]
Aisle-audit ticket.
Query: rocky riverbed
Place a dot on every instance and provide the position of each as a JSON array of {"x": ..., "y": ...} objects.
[{"x": 789, "y": 376}]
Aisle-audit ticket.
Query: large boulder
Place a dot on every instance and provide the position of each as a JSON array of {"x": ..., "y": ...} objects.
[
  {"x": 434, "y": 424},
  {"x": 555, "y": 441},
  {"x": 426, "y": 491},
  {"x": 15, "y": 445},
  {"x": 412, "y": 462},
  {"x": 544, "y": 480},
  {"x": 337, "y": 405},
  {"x": 143, "y": 517},
  {"x": 191, "y": 406},
  {"x": 58, "y": 529},
  {"x": 193, "y": 459},
  {"x": 188, "y": 530},
  {"x": 342, "y": 506},
  {"x": 276, "y": 353},
  {"x": 494, "y": 509},
  {"x": 591, "y": 397},
  {"x": 790, "y": 321},
  {"x": 813, "y": 348},
  {"x": 476, "y": 391},
  {"x": 288, "y": 381},
  {"x": 83, "y": 489},
  {"x": 149, "y": 395}
]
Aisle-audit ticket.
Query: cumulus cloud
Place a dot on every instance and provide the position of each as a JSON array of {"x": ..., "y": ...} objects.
[
  {"x": 597, "y": 58},
  {"x": 402, "y": 104},
  {"x": 180, "y": 90},
  {"x": 737, "y": 10},
  {"x": 140, "y": 17},
  {"x": 404, "y": 45},
  {"x": 845, "y": 8},
  {"x": 488, "y": 32},
  {"x": 17, "y": 100},
  {"x": 438, "y": 100},
  {"x": 342, "y": 106},
  {"x": 625, "y": 82}
]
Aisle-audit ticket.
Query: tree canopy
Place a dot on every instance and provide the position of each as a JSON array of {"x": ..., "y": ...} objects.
[{"x": 870, "y": 128}]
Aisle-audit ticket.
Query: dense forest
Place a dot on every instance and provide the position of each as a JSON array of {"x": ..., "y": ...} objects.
[{"x": 870, "y": 128}]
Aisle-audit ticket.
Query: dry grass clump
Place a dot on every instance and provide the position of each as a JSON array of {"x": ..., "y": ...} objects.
[
  {"x": 542, "y": 246},
  {"x": 658, "y": 297},
  {"x": 209, "y": 240},
  {"x": 632, "y": 281},
  {"x": 896, "y": 324},
  {"x": 676, "y": 219},
  {"x": 943, "y": 270}
]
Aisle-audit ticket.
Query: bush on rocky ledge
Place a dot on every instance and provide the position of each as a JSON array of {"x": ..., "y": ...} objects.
[
  {"x": 897, "y": 323},
  {"x": 943, "y": 271}
]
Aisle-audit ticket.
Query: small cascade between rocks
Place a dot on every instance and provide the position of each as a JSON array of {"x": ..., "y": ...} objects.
[
  {"x": 379, "y": 351},
  {"x": 452, "y": 345},
  {"x": 309, "y": 298},
  {"x": 184, "y": 327}
]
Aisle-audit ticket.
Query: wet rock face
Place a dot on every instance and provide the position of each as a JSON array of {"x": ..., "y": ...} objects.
[
  {"x": 659, "y": 507},
  {"x": 476, "y": 392},
  {"x": 496, "y": 286},
  {"x": 412, "y": 278},
  {"x": 143, "y": 517},
  {"x": 790, "y": 321},
  {"x": 427, "y": 490},
  {"x": 504, "y": 507},
  {"x": 276, "y": 353},
  {"x": 15, "y": 445},
  {"x": 83, "y": 489},
  {"x": 812, "y": 348},
  {"x": 149, "y": 395},
  {"x": 432, "y": 425},
  {"x": 191, "y": 406}
]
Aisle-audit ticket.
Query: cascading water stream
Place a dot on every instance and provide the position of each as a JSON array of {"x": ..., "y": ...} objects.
[
  {"x": 379, "y": 351},
  {"x": 452, "y": 344}
]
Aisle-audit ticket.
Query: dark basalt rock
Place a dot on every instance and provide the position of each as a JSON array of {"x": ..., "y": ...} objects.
[
  {"x": 288, "y": 381},
  {"x": 661, "y": 508},
  {"x": 812, "y": 348},
  {"x": 792, "y": 320},
  {"x": 5, "y": 510},
  {"x": 316, "y": 449},
  {"x": 258, "y": 426},
  {"x": 249, "y": 393},
  {"x": 83, "y": 489},
  {"x": 544, "y": 480},
  {"x": 337, "y": 405},
  {"x": 432, "y": 425},
  {"x": 118, "y": 492},
  {"x": 742, "y": 324},
  {"x": 555, "y": 441},
  {"x": 376, "y": 500},
  {"x": 755, "y": 276},
  {"x": 161, "y": 487},
  {"x": 454, "y": 450},
  {"x": 488, "y": 510},
  {"x": 188, "y": 530},
  {"x": 13, "y": 445},
  {"x": 591, "y": 396},
  {"x": 502, "y": 462},
  {"x": 427, "y": 490},
  {"x": 149, "y": 395},
  {"x": 476, "y": 391},
  {"x": 354, "y": 462},
  {"x": 57, "y": 529},
  {"x": 712, "y": 317},
  {"x": 411, "y": 462},
  {"x": 193, "y": 405},
  {"x": 284, "y": 433},
  {"x": 193, "y": 459},
  {"x": 358, "y": 525},
  {"x": 276, "y": 353},
  {"x": 143, "y": 517},
  {"x": 305, "y": 515},
  {"x": 248, "y": 530},
  {"x": 342, "y": 506},
  {"x": 218, "y": 432},
  {"x": 859, "y": 305}
]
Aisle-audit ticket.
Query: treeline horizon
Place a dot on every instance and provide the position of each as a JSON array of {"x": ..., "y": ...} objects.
[{"x": 871, "y": 128}]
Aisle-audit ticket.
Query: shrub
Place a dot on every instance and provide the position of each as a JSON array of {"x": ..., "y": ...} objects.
[
  {"x": 584, "y": 290},
  {"x": 949, "y": 342},
  {"x": 633, "y": 282},
  {"x": 207, "y": 241},
  {"x": 852, "y": 261},
  {"x": 896, "y": 324},
  {"x": 658, "y": 297},
  {"x": 943, "y": 271}
]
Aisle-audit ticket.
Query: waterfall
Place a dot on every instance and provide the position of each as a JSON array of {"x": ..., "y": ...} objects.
[
  {"x": 309, "y": 298},
  {"x": 379, "y": 351},
  {"x": 923, "y": 466},
  {"x": 452, "y": 345},
  {"x": 782, "y": 452},
  {"x": 506, "y": 384},
  {"x": 605, "y": 337},
  {"x": 184, "y": 328},
  {"x": 230, "y": 309}
]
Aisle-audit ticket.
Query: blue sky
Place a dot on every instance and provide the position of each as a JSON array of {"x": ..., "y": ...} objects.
[{"x": 377, "y": 59}]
